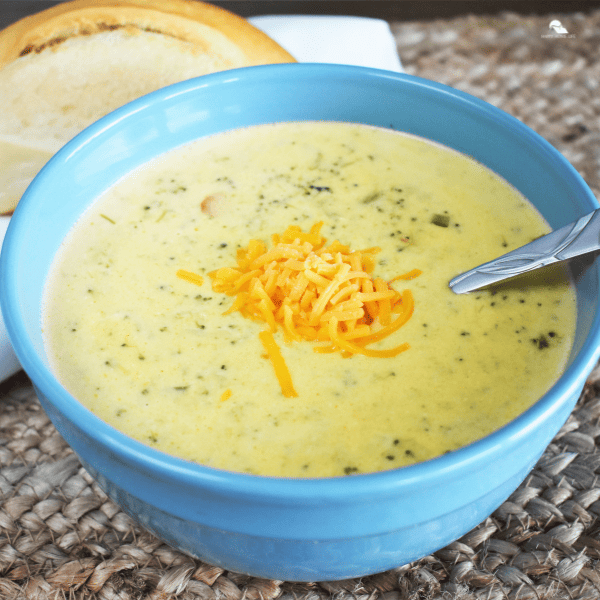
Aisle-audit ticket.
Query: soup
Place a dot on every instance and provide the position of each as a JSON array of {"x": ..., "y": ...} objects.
[{"x": 141, "y": 326}]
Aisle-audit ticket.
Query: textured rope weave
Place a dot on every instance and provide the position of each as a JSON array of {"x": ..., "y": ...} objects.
[{"x": 60, "y": 537}]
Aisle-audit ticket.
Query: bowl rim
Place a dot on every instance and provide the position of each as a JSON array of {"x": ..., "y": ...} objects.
[{"x": 293, "y": 489}]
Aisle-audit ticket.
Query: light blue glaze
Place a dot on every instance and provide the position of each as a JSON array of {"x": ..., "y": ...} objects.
[{"x": 295, "y": 530}]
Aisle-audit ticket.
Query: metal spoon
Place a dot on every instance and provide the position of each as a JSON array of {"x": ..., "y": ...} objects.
[{"x": 575, "y": 239}]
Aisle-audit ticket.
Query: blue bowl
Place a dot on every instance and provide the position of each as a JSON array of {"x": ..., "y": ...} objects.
[{"x": 294, "y": 529}]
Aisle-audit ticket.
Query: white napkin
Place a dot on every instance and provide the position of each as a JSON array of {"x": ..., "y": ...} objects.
[
  {"x": 8, "y": 361},
  {"x": 323, "y": 39},
  {"x": 341, "y": 40}
]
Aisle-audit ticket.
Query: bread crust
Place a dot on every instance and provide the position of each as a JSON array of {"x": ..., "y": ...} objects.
[
  {"x": 156, "y": 43},
  {"x": 193, "y": 21}
]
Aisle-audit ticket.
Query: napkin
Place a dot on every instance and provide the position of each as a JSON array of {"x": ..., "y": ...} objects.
[
  {"x": 342, "y": 40},
  {"x": 357, "y": 41},
  {"x": 8, "y": 361}
]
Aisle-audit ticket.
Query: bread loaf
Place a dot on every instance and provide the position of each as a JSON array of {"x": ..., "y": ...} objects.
[{"x": 65, "y": 67}]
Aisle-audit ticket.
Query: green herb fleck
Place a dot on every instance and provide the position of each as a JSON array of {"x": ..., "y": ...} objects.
[
  {"x": 440, "y": 220},
  {"x": 371, "y": 198}
]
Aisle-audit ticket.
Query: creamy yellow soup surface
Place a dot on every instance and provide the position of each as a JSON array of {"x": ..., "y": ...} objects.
[{"x": 153, "y": 354}]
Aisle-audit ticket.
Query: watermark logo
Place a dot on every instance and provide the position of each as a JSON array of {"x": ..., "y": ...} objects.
[
  {"x": 560, "y": 31},
  {"x": 557, "y": 26}
]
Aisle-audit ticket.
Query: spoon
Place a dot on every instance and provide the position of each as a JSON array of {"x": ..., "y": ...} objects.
[{"x": 575, "y": 239}]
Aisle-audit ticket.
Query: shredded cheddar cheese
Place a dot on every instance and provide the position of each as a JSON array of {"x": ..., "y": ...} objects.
[
  {"x": 315, "y": 293},
  {"x": 189, "y": 276},
  {"x": 281, "y": 371},
  {"x": 407, "y": 276}
]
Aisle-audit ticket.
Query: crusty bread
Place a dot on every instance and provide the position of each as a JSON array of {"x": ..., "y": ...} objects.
[{"x": 65, "y": 67}]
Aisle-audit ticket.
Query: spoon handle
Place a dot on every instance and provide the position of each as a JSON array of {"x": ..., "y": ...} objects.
[{"x": 575, "y": 239}]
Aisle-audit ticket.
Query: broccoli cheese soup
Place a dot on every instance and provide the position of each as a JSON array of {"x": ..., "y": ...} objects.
[{"x": 274, "y": 300}]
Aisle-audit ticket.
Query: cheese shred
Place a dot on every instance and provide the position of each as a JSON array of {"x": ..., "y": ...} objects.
[
  {"x": 189, "y": 276},
  {"x": 313, "y": 292},
  {"x": 281, "y": 371}
]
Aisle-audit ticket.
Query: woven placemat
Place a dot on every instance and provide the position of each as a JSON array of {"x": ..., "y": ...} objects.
[{"x": 60, "y": 536}]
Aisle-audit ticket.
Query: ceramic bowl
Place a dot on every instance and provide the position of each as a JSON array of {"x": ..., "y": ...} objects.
[{"x": 295, "y": 529}]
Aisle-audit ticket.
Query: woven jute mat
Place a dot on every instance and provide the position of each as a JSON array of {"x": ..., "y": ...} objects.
[{"x": 60, "y": 536}]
